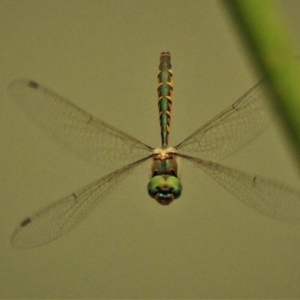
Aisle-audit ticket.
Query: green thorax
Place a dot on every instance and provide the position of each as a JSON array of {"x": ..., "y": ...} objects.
[{"x": 164, "y": 185}]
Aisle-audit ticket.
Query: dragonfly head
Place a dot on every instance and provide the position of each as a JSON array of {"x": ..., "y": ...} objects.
[{"x": 164, "y": 188}]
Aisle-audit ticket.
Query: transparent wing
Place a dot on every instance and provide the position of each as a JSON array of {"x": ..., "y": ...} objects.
[
  {"x": 91, "y": 138},
  {"x": 62, "y": 216},
  {"x": 268, "y": 197},
  {"x": 232, "y": 129}
]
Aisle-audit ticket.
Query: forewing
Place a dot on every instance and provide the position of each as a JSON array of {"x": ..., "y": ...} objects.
[
  {"x": 232, "y": 129},
  {"x": 62, "y": 216},
  {"x": 268, "y": 197},
  {"x": 62, "y": 120}
]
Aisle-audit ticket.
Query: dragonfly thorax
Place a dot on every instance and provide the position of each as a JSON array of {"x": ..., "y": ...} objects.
[
  {"x": 164, "y": 161},
  {"x": 164, "y": 185}
]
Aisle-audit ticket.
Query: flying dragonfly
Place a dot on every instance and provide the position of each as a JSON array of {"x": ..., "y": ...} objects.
[{"x": 101, "y": 143}]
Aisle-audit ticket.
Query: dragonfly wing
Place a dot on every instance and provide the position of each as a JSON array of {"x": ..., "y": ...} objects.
[
  {"x": 62, "y": 216},
  {"x": 232, "y": 129},
  {"x": 62, "y": 120},
  {"x": 268, "y": 197}
]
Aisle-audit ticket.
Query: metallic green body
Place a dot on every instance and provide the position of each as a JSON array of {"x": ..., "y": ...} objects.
[{"x": 164, "y": 186}]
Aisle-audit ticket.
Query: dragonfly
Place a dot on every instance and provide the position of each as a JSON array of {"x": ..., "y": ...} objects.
[{"x": 103, "y": 144}]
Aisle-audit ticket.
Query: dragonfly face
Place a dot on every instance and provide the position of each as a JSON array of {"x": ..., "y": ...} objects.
[{"x": 164, "y": 186}]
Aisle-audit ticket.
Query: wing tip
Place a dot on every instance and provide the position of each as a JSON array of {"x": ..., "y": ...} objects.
[{"x": 22, "y": 81}]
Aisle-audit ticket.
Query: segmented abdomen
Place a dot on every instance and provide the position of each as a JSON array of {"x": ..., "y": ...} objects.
[{"x": 164, "y": 92}]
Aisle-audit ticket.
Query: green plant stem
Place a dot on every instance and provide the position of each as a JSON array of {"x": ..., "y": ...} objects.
[{"x": 270, "y": 43}]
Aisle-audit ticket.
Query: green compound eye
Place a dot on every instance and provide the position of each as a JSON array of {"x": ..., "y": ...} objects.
[{"x": 164, "y": 189}]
